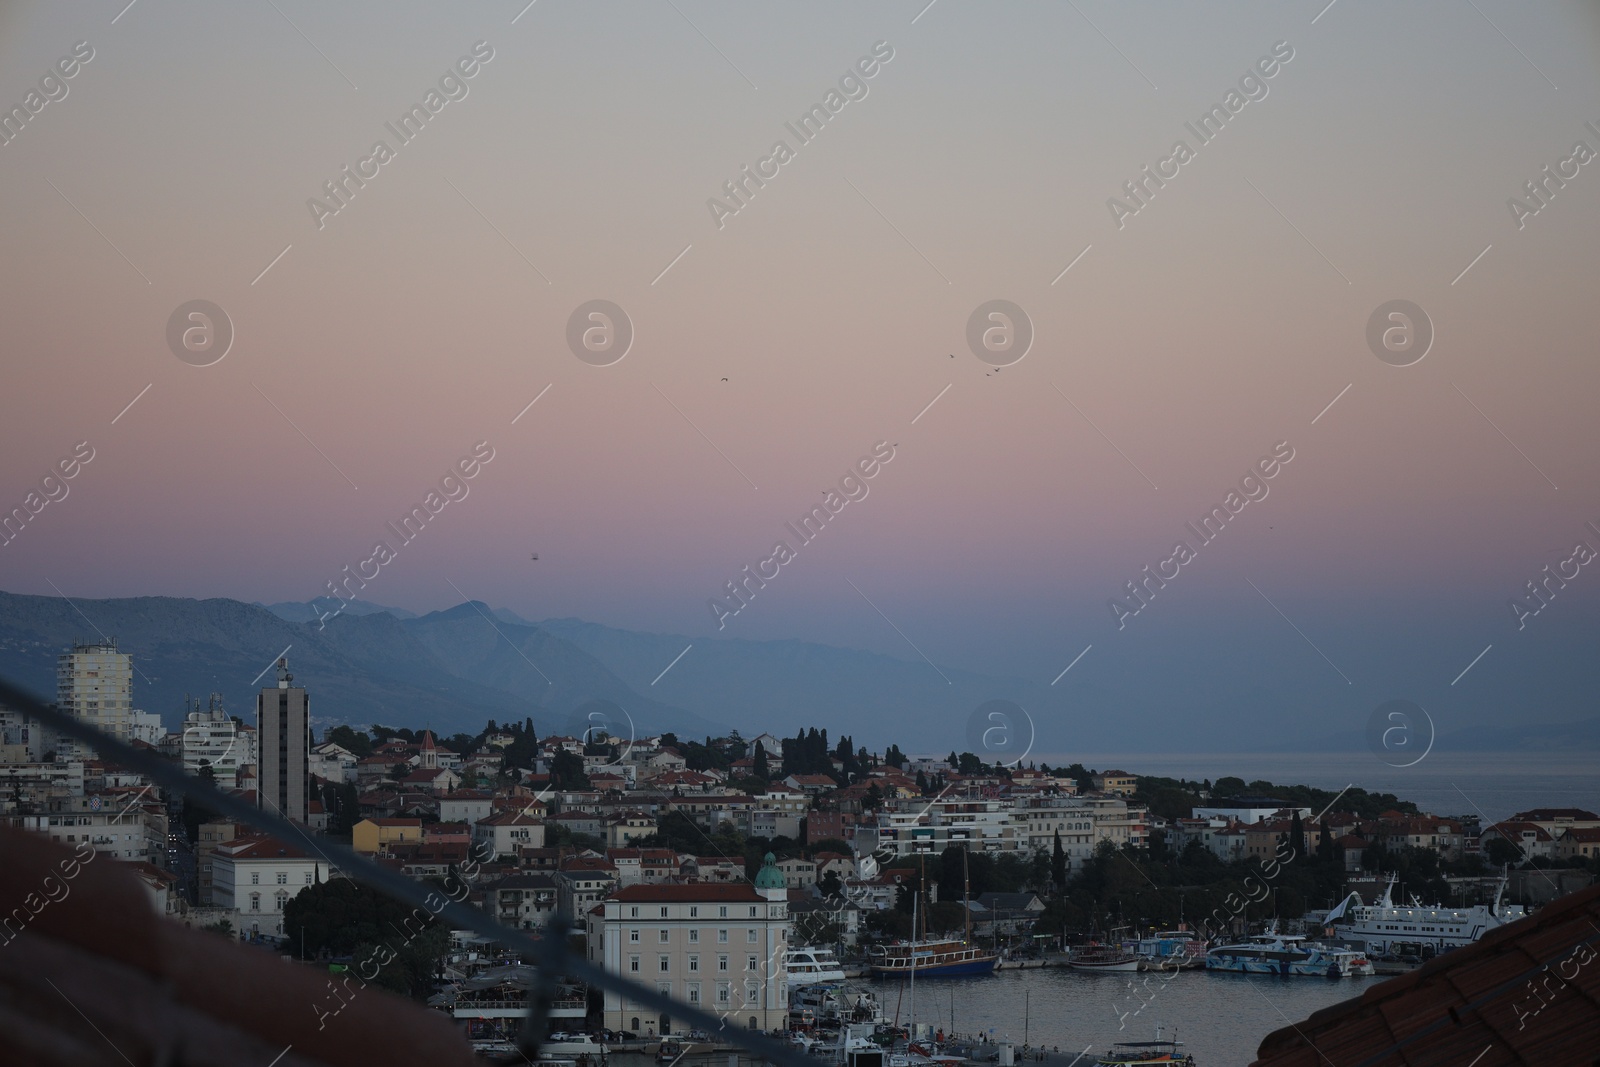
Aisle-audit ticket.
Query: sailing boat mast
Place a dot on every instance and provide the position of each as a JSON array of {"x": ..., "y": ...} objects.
[
  {"x": 966, "y": 904},
  {"x": 914, "y": 943}
]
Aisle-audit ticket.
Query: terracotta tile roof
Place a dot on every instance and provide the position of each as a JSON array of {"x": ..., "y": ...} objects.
[
  {"x": 1483, "y": 1004},
  {"x": 141, "y": 980},
  {"x": 690, "y": 893}
]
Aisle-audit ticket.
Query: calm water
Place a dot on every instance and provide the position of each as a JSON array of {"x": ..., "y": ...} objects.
[
  {"x": 1221, "y": 1018},
  {"x": 1495, "y": 785}
]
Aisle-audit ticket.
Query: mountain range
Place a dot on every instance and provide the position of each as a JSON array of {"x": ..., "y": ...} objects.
[{"x": 452, "y": 670}]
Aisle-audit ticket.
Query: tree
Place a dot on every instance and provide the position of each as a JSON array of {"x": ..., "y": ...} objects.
[
  {"x": 1297, "y": 836},
  {"x": 221, "y": 926},
  {"x": 894, "y": 757},
  {"x": 1228, "y": 787},
  {"x": 356, "y": 742},
  {"x": 761, "y": 770},
  {"x": 830, "y": 886},
  {"x": 1502, "y": 853},
  {"x": 566, "y": 771},
  {"x": 1058, "y": 864},
  {"x": 1324, "y": 843},
  {"x": 399, "y": 771},
  {"x": 194, "y": 813}
]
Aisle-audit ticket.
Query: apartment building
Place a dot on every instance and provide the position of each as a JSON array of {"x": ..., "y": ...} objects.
[
  {"x": 717, "y": 946},
  {"x": 115, "y": 826}
]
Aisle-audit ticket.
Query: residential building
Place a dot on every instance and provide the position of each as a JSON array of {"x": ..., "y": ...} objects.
[
  {"x": 374, "y": 836},
  {"x": 503, "y": 833},
  {"x": 216, "y": 739},
  {"x": 466, "y": 805},
  {"x": 283, "y": 721},
  {"x": 258, "y": 876},
  {"x": 1578, "y": 844},
  {"x": 798, "y": 873},
  {"x": 715, "y": 946},
  {"x": 581, "y": 883},
  {"x": 523, "y": 901},
  {"x": 1250, "y": 809},
  {"x": 1116, "y": 783},
  {"x": 94, "y": 684},
  {"x": 112, "y": 825}
]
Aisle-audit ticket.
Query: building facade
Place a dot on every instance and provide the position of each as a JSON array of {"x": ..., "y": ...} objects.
[
  {"x": 283, "y": 725},
  {"x": 94, "y": 684},
  {"x": 715, "y": 946}
]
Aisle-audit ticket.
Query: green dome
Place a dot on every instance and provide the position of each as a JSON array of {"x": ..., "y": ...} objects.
[{"x": 769, "y": 877}]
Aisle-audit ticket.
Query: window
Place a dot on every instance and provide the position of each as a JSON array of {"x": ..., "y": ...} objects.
[
  {"x": 694, "y": 937},
  {"x": 663, "y": 934},
  {"x": 694, "y": 912},
  {"x": 665, "y": 963},
  {"x": 750, "y": 935},
  {"x": 663, "y": 912},
  {"x": 722, "y": 937},
  {"x": 633, "y": 935},
  {"x": 255, "y": 901},
  {"x": 749, "y": 963},
  {"x": 633, "y": 964},
  {"x": 694, "y": 993},
  {"x": 752, "y": 911},
  {"x": 722, "y": 963},
  {"x": 283, "y": 877},
  {"x": 308, "y": 878},
  {"x": 722, "y": 911},
  {"x": 633, "y": 913},
  {"x": 694, "y": 963},
  {"x": 255, "y": 877},
  {"x": 724, "y": 993}
]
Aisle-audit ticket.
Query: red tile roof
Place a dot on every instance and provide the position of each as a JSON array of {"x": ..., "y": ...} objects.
[{"x": 690, "y": 893}]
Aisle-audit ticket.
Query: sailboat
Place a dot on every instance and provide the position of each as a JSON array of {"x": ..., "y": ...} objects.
[{"x": 933, "y": 957}]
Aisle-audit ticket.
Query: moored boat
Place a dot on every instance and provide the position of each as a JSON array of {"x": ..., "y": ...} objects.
[
  {"x": 1285, "y": 954},
  {"x": 1142, "y": 1053},
  {"x": 808, "y": 966},
  {"x": 1097, "y": 957},
  {"x": 945, "y": 958},
  {"x": 1416, "y": 928}
]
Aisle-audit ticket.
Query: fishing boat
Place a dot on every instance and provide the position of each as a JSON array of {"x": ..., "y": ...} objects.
[
  {"x": 1287, "y": 954},
  {"x": 1418, "y": 929},
  {"x": 1141, "y": 1053},
  {"x": 669, "y": 1051},
  {"x": 1097, "y": 957},
  {"x": 808, "y": 966},
  {"x": 941, "y": 958}
]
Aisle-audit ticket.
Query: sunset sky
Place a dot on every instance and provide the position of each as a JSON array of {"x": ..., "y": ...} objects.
[{"x": 772, "y": 352}]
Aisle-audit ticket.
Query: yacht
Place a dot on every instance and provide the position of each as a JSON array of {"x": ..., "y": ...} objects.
[
  {"x": 808, "y": 966},
  {"x": 1274, "y": 953},
  {"x": 946, "y": 958},
  {"x": 1415, "y": 928}
]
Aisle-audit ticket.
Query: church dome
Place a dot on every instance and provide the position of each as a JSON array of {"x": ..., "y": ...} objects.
[{"x": 769, "y": 877}]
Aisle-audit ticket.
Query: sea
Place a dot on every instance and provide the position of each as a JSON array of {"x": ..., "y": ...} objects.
[
  {"x": 1220, "y": 1018},
  {"x": 1490, "y": 785}
]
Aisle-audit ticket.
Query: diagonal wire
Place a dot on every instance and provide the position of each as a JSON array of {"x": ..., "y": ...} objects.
[
  {"x": 712, "y": 43},
  {"x": 499, "y": 631},
  {"x": 398, "y": 886},
  {"x": 896, "y": 229},
  {"x": 899, "y": 631},
  {"x": 1102, "y": 433},
  {"x": 1301, "y": 632}
]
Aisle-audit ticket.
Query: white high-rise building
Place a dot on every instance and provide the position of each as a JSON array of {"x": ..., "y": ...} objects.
[
  {"x": 215, "y": 738},
  {"x": 94, "y": 684}
]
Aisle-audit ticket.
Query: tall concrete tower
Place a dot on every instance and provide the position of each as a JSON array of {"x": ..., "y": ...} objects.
[{"x": 283, "y": 725}]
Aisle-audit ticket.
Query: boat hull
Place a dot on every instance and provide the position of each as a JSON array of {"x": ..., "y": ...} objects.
[
  {"x": 956, "y": 969},
  {"x": 1114, "y": 965}
]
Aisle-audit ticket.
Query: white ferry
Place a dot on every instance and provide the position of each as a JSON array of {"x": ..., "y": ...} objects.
[
  {"x": 808, "y": 966},
  {"x": 1388, "y": 928},
  {"x": 1289, "y": 955}
]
